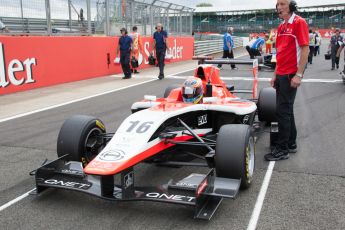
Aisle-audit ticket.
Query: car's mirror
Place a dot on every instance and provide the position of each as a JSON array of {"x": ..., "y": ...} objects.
[
  {"x": 230, "y": 87},
  {"x": 150, "y": 98},
  {"x": 209, "y": 99}
]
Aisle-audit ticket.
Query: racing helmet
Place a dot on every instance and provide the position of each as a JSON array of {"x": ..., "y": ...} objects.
[{"x": 192, "y": 90}]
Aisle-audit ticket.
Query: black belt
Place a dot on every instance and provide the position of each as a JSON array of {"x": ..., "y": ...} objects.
[{"x": 286, "y": 75}]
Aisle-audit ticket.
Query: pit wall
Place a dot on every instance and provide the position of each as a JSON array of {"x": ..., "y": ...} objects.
[{"x": 40, "y": 61}]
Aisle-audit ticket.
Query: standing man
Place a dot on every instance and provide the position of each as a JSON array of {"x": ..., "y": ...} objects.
[
  {"x": 125, "y": 46},
  {"x": 292, "y": 55},
  {"x": 342, "y": 73},
  {"x": 312, "y": 39},
  {"x": 318, "y": 43},
  {"x": 228, "y": 46},
  {"x": 336, "y": 41},
  {"x": 160, "y": 43},
  {"x": 269, "y": 43},
  {"x": 137, "y": 45}
]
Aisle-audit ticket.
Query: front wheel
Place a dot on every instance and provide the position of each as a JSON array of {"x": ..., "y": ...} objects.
[
  {"x": 267, "y": 105},
  {"x": 235, "y": 153},
  {"x": 80, "y": 137}
]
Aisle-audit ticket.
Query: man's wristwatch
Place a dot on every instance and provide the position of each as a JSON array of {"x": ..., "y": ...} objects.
[{"x": 299, "y": 75}]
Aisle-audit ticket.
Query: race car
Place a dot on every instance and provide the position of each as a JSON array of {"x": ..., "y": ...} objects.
[{"x": 217, "y": 133}]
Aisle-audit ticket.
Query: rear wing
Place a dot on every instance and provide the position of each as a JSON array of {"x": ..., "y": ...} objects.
[{"x": 250, "y": 62}]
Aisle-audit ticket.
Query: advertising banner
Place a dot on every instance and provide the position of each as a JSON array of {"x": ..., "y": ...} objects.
[{"x": 38, "y": 61}]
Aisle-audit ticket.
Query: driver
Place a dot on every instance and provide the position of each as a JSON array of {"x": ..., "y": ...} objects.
[{"x": 192, "y": 90}]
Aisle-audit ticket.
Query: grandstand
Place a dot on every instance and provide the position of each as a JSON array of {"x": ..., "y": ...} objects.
[{"x": 318, "y": 17}]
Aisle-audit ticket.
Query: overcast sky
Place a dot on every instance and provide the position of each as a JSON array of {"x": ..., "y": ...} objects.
[{"x": 251, "y": 4}]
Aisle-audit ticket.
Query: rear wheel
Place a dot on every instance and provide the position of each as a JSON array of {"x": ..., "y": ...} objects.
[
  {"x": 267, "y": 105},
  {"x": 235, "y": 153},
  {"x": 80, "y": 137},
  {"x": 169, "y": 89}
]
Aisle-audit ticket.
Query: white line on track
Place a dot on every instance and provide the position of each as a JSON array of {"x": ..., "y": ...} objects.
[
  {"x": 261, "y": 197},
  {"x": 70, "y": 102},
  {"x": 19, "y": 198}
]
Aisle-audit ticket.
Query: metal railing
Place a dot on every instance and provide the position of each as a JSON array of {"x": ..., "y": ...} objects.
[
  {"x": 86, "y": 17},
  {"x": 207, "y": 47}
]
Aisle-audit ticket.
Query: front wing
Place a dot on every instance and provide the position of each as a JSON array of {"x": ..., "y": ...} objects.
[{"x": 204, "y": 192}]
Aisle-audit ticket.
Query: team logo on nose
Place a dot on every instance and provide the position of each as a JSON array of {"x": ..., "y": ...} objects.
[{"x": 112, "y": 155}]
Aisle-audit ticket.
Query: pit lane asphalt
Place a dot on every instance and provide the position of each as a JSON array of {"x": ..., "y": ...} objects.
[{"x": 305, "y": 192}]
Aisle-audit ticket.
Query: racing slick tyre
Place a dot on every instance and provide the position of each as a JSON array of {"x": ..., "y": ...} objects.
[
  {"x": 267, "y": 105},
  {"x": 170, "y": 88},
  {"x": 79, "y": 137},
  {"x": 235, "y": 153}
]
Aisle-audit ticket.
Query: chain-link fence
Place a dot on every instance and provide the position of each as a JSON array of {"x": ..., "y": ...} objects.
[
  {"x": 145, "y": 14},
  {"x": 104, "y": 17}
]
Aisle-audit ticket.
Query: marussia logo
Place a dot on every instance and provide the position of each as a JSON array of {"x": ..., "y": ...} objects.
[{"x": 15, "y": 66}]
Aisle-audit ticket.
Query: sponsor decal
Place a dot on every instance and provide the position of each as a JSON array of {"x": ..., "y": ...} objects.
[
  {"x": 186, "y": 185},
  {"x": 15, "y": 66},
  {"x": 129, "y": 179},
  {"x": 100, "y": 125},
  {"x": 68, "y": 184},
  {"x": 71, "y": 172},
  {"x": 113, "y": 155},
  {"x": 164, "y": 196},
  {"x": 202, "y": 120},
  {"x": 174, "y": 51},
  {"x": 245, "y": 119},
  {"x": 202, "y": 187}
]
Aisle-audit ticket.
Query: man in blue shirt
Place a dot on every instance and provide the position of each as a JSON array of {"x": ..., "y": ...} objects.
[
  {"x": 256, "y": 47},
  {"x": 228, "y": 46},
  {"x": 160, "y": 43},
  {"x": 125, "y": 47}
]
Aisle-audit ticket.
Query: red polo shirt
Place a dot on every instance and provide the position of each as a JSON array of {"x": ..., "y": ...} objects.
[{"x": 291, "y": 36}]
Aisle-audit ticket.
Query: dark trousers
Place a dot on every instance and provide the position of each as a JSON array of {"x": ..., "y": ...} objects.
[
  {"x": 285, "y": 113},
  {"x": 317, "y": 50},
  {"x": 160, "y": 54},
  {"x": 228, "y": 54},
  {"x": 253, "y": 52},
  {"x": 311, "y": 54},
  {"x": 335, "y": 59},
  {"x": 124, "y": 60}
]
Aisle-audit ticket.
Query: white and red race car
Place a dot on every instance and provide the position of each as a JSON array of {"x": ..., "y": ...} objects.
[{"x": 217, "y": 134}]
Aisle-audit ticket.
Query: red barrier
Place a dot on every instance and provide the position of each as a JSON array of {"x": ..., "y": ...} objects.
[{"x": 32, "y": 62}]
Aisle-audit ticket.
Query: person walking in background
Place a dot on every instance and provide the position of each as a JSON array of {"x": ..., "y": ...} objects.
[
  {"x": 269, "y": 43},
  {"x": 160, "y": 44},
  {"x": 342, "y": 73},
  {"x": 137, "y": 45},
  {"x": 312, "y": 40},
  {"x": 317, "y": 43},
  {"x": 228, "y": 46},
  {"x": 125, "y": 46},
  {"x": 336, "y": 41},
  {"x": 292, "y": 55}
]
